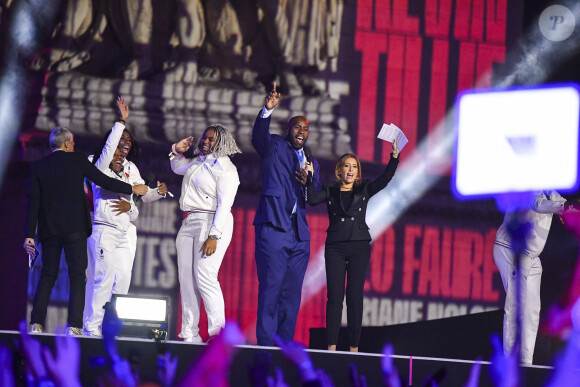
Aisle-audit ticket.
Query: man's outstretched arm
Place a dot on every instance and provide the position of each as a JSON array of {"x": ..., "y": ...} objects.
[{"x": 261, "y": 137}]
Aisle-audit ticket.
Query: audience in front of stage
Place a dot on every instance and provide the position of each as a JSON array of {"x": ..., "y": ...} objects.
[
  {"x": 504, "y": 370},
  {"x": 566, "y": 363},
  {"x": 44, "y": 368},
  {"x": 61, "y": 367},
  {"x": 473, "y": 380},
  {"x": 6, "y": 375},
  {"x": 298, "y": 356},
  {"x": 212, "y": 369},
  {"x": 390, "y": 373}
]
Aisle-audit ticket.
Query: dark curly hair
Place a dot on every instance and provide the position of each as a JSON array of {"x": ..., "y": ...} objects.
[{"x": 134, "y": 152}]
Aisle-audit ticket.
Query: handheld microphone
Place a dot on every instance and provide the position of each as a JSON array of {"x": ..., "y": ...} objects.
[
  {"x": 151, "y": 179},
  {"x": 308, "y": 155}
]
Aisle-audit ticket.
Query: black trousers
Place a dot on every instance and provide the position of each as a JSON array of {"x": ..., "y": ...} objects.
[
  {"x": 348, "y": 260},
  {"x": 75, "y": 252}
]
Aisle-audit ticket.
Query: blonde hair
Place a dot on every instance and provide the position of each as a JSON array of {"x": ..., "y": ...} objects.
[{"x": 340, "y": 165}]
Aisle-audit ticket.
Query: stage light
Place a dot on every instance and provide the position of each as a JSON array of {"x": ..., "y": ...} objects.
[{"x": 142, "y": 316}]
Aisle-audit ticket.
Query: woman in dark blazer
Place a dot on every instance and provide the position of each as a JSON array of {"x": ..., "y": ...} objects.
[{"x": 347, "y": 250}]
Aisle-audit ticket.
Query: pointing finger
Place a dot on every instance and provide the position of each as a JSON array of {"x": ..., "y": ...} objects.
[{"x": 274, "y": 89}]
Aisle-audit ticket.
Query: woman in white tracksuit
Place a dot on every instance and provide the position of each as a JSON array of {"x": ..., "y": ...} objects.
[
  {"x": 542, "y": 208},
  {"x": 112, "y": 244},
  {"x": 208, "y": 190}
]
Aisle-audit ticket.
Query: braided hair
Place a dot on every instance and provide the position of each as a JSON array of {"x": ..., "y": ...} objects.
[{"x": 226, "y": 145}]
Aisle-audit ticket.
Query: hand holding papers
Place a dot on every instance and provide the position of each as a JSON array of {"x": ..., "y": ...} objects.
[{"x": 390, "y": 133}]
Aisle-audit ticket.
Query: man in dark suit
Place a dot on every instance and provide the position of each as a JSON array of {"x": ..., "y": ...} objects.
[
  {"x": 57, "y": 204},
  {"x": 282, "y": 235}
]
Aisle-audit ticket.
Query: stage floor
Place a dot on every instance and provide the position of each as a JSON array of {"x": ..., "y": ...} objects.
[{"x": 413, "y": 370}]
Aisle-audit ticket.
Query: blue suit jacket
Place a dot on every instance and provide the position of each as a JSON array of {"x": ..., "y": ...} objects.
[{"x": 280, "y": 189}]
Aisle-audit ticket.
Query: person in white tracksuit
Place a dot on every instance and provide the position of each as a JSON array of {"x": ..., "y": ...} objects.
[
  {"x": 543, "y": 206},
  {"x": 113, "y": 242},
  {"x": 209, "y": 187}
]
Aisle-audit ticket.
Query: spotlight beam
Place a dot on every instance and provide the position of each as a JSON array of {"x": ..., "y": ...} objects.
[{"x": 32, "y": 22}]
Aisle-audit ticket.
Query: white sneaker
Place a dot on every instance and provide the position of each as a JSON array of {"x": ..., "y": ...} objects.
[
  {"x": 193, "y": 339},
  {"x": 89, "y": 333}
]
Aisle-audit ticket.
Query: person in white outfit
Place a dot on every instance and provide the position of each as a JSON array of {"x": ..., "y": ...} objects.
[
  {"x": 539, "y": 216},
  {"x": 209, "y": 187},
  {"x": 113, "y": 242}
]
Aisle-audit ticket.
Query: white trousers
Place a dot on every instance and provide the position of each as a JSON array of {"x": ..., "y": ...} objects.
[
  {"x": 111, "y": 253},
  {"x": 198, "y": 274},
  {"x": 530, "y": 279}
]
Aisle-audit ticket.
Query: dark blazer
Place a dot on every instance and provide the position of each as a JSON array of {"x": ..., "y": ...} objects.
[
  {"x": 280, "y": 189},
  {"x": 349, "y": 224},
  {"x": 56, "y": 196}
]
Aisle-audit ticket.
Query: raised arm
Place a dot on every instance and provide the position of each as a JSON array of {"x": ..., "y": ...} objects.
[
  {"x": 180, "y": 164},
  {"x": 544, "y": 205},
  {"x": 384, "y": 179},
  {"x": 261, "y": 137},
  {"x": 113, "y": 140}
]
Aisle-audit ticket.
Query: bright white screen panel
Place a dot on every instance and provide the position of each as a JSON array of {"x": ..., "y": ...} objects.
[
  {"x": 141, "y": 309},
  {"x": 517, "y": 141}
]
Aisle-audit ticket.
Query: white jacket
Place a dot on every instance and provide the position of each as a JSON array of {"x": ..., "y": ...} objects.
[
  {"x": 209, "y": 185},
  {"x": 103, "y": 199},
  {"x": 543, "y": 207}
]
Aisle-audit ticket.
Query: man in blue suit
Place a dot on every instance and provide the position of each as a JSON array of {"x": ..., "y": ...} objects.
[{"x": 282, "y": 235}]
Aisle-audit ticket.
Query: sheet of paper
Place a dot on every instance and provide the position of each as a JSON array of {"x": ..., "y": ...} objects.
[{"x": 390, "y": 133}]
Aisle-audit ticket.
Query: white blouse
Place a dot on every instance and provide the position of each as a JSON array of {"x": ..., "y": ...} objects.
[{"x": 209, "y": 184}]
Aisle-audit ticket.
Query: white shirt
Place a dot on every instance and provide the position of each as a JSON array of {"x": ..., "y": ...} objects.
[
  {"x": 209, "y": 184},
  {"x": 543, "y": 207},
  {"x": 103, "y": 199}
]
